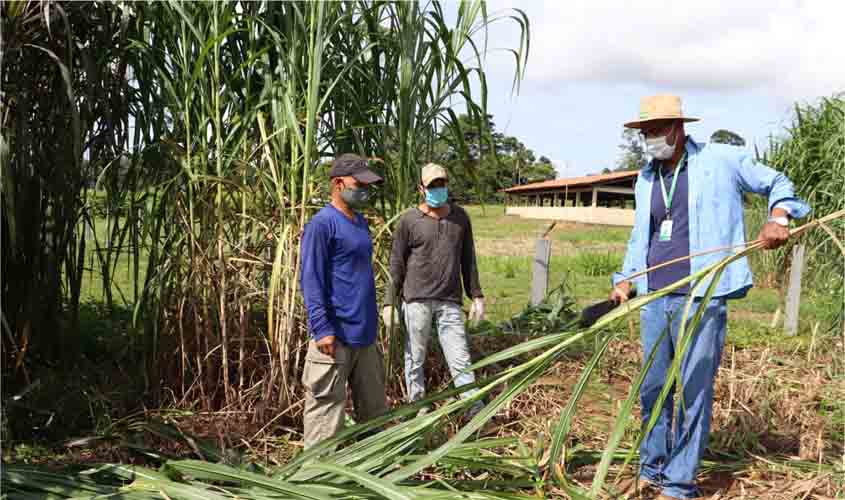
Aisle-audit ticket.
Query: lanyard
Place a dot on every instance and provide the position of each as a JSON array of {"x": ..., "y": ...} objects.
[{"x": 667, "y": 199}]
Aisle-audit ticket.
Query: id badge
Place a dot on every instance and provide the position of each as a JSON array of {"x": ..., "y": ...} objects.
[{"x": 666, "y": 230}]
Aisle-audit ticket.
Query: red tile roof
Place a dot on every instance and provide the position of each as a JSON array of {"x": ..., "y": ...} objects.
[{"x": 586, "y": 180}]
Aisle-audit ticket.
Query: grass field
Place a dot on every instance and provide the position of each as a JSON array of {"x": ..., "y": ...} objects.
[{"x": 584, "y": 257}]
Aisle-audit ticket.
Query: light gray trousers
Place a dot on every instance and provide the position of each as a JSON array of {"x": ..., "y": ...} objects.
[{"x": 449, "y": 318}]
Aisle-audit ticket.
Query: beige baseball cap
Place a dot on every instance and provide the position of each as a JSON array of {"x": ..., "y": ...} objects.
[
  {"x": 432, "y": 172},
  {"x": 659, "y": 107}
]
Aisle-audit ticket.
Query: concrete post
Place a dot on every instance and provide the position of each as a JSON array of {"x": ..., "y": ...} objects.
[
  {"x": 540, "y": 275},
  {"x": 793, "y": 293}
]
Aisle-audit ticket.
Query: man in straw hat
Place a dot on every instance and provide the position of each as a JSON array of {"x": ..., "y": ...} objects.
[
  {"x": 339, "y": 289},
  {"x": 689, "y": 199},
  {"x": 433, "y": 254}
]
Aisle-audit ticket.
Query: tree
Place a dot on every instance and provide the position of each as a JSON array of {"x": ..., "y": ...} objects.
[
  {"x": 537, "y": 172},
  {"x": 633, "y": 154},
  {"x": 495, "y": 161},
  {"x": 723, "y": 136}
]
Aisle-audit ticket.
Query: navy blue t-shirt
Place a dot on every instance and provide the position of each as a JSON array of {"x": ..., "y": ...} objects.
[
  {"x": 678, "y": 246},
  {"x": 337, "y": 280}
]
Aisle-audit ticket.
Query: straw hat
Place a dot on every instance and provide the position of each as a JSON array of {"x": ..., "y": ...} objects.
[{"x": 659, "y": 107}]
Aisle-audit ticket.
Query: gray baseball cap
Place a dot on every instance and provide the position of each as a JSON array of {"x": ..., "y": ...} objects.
[{"x": 352, "y": 165}]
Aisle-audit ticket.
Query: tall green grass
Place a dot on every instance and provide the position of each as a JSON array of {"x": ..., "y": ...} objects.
[
  {"x": 235, "y": 109},
  {"x": 811, "y": 152}
]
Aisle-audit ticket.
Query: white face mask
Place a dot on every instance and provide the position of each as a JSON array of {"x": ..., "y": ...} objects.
[{"x": 658, "y": 148}]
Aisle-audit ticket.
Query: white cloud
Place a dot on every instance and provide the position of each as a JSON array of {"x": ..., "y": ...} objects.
[{"x": 788, "y": 49}]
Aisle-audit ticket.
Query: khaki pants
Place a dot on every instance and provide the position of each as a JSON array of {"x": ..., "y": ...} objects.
[{"x": 325, "y": 382}]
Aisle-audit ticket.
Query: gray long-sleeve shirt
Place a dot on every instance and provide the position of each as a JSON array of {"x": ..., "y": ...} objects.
[{"x": 431, "y": 257}]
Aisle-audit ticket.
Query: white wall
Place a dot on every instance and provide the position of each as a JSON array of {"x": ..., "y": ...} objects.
[{"x": 585, "y": 215}]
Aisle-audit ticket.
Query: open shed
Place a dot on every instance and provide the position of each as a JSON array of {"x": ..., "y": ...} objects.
[{"x": 594, "y": 199}]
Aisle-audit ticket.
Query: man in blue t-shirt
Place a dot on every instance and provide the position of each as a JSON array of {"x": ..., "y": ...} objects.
[
  {"x": 339, "y": 288},
  {"x": 689, "y": 199}
]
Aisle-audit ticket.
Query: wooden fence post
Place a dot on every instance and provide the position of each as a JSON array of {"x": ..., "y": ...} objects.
[{"x": 793, "y": 293}]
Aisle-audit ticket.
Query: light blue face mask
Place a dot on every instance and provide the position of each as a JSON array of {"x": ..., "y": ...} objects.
[{"x": 436, "y": 197}]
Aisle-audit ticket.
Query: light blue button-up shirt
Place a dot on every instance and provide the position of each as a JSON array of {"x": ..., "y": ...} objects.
[{"x": 719, "y": 174}]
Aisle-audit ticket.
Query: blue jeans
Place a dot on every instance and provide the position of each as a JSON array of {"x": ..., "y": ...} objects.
[
  {"x": 419, "y": 317},
  {"x": 671, "y": 452}
]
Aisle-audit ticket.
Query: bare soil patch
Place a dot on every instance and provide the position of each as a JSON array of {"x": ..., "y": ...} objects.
[
  {"x": 516, "y": 247},
  {"x": 773, "y": 431}
]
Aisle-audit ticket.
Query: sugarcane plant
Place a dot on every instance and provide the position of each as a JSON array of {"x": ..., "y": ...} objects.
[
  {"x": 203, "y": 129},
  {"x": 811, "y": 152}
]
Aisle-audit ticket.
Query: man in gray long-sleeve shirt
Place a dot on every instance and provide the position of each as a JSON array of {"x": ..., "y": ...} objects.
[{"x": 433, "y": 253}]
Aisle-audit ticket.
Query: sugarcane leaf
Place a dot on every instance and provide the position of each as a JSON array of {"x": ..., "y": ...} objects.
[
  {"x": 372, "y": 483},
  {"x": 622, "y": 419},
  {"x": 561, "y": 430},
  {"x": 217, "y": 472}
]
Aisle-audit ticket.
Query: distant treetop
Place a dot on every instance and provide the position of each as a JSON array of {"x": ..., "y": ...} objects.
[{"x": 723, "y": 136}]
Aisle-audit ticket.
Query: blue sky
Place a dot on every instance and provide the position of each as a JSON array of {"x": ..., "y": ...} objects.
[{"x": 736, "y": 65}]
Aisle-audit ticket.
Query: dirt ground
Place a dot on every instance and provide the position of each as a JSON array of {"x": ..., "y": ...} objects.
[
  {"x": 778, "y": 418},
  {"x": 503, "y": 247},
  {"x": 773, "y": 434}
]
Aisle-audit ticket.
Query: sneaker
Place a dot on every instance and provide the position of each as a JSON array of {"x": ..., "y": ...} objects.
[
  {"x": 637, "y": 487},
  {"x": 489, "y": 428}
]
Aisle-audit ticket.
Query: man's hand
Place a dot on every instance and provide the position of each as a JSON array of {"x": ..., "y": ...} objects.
[
  {"x": 476, "y": 311},
  {"x": 620, "y": 292},
  {"x": 326, "y": 345},
  {"x": 389, "y": 316},
  {"x": 773, "y": 235}
]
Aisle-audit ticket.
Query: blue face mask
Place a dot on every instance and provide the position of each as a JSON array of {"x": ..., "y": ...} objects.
[{"x": 436, "y": 197}]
